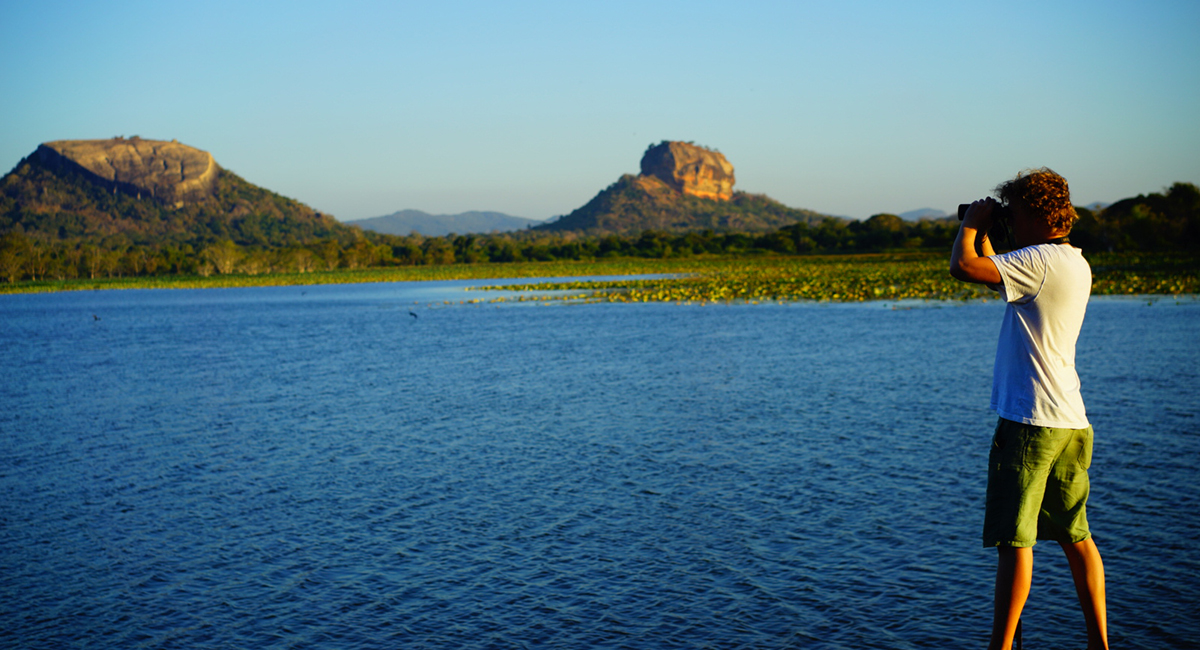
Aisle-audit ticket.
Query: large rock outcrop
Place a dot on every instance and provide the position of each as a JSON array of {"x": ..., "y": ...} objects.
[
  {"x": 692, "y": 170},
  {"x": 120, "y": 191},
  {"x": 169, "y": 172}
]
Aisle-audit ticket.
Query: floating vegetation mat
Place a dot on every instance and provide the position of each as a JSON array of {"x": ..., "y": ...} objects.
[{"x": 851, "y": 279}]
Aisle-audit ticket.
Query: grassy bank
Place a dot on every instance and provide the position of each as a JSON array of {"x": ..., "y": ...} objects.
[{"x": 709, "y": 279}]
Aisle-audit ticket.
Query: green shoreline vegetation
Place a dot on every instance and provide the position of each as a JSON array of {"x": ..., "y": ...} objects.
[{"x": 766, "y": 278}]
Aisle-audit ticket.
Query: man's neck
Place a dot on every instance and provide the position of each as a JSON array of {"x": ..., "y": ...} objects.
[{"x": 1055, "y": 237}]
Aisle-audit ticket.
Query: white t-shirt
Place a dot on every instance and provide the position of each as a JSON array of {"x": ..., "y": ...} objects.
[{"x": 1034, "y": 380}]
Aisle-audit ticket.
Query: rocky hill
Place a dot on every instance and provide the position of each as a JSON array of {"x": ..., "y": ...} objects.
[
  {"x": 139, "y": 191},
  {"x": 682, "y": 188},
  {"x": 172, "y": 173},
  {"x": 690, "y": 170}
]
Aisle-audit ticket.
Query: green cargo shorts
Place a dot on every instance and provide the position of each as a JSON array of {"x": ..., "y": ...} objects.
[{"x": 1037, "y": 485}]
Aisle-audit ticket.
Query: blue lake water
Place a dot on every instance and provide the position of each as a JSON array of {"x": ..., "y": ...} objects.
[{"x": 315, "y": 467}]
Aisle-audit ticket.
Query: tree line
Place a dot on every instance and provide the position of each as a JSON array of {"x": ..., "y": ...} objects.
[{"x": 27, "y": 257}]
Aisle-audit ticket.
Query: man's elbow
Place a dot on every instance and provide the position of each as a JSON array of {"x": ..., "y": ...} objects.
[
  {"x": 958, "y": 272},
  {"x": 979, "y": 270}
]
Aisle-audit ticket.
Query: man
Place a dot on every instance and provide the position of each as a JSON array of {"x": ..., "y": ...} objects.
[{"x": 1037, "y": 468}]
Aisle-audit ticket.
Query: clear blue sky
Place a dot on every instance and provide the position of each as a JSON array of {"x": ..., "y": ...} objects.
[{"x": 851, "y": 108}]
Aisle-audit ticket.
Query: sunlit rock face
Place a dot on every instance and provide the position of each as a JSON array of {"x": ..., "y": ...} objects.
[
  {"x": 169, "y": 172},
  {"x": 690, "y": 169}
]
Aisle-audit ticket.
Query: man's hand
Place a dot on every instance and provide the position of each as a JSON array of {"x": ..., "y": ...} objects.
[
  {"x": 980, "y": 216},
  {"x": 968, "y": 258}
]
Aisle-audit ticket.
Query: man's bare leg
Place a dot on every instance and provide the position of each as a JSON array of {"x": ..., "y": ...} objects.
[
  {"x": 1014, "y": 573},
  {"x": 1088, "y": 571}
]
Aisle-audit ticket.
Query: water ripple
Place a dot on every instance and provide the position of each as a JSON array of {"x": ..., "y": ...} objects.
[{"x": 264, "y": 468}]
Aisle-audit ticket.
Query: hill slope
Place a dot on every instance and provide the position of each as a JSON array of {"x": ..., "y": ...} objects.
[
  {"x": 113, "y": 192},
  {"x": 637, "y": 203}
]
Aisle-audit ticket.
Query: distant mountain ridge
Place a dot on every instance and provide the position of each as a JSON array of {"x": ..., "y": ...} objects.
[
  {"x": 406, "y": 222},
  {"x": 922, "y": 213}
]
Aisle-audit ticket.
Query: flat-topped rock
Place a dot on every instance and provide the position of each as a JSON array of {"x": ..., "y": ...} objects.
[
  {"x": 169, "y": 172},
  {"x": 690, "y": 169}
]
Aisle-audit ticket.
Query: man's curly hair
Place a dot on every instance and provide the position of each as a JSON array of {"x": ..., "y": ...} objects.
[{"x": 1044, "y": 194}]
